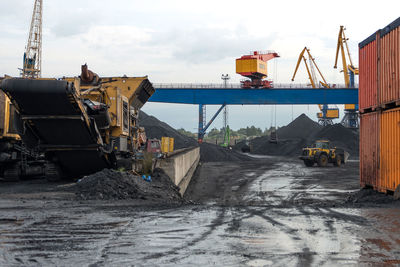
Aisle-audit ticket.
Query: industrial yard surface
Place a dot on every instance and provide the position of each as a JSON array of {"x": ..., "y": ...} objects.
[{"x": 264, "y": 211}]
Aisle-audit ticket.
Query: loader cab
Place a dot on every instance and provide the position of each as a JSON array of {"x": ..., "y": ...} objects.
[{"x": 322, "y": 144}]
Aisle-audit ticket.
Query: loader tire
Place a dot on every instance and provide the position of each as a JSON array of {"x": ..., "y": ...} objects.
[
  {"x": 338, "y": 161},
  {"x": 322, "y": 160},
  {"x": 309, "y": 163}
]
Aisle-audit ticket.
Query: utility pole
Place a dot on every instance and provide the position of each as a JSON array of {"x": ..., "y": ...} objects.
[{"x": 225, "y": 78}]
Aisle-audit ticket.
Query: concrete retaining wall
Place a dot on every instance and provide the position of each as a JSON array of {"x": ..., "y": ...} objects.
[{"x": 180, "y": 166}]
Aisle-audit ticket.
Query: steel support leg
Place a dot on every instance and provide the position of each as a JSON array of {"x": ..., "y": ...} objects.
[
  {"x": 202, "y": 127},
  {"x": 202, "y": 115}
]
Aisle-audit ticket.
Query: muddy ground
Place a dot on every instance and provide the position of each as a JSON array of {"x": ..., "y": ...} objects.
[{"x": 269, "y": 211}]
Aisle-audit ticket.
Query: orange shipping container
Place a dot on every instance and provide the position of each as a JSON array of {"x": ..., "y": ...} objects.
[
  {"x": 389, "y": 63},
  {"x": 390, "y": 150},
  {"x": 369, "y": 149},
  {"x": 368, "y": 72}
]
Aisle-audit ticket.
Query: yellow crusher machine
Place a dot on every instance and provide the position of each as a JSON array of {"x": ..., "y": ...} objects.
[{"x": 81, "y": 124}]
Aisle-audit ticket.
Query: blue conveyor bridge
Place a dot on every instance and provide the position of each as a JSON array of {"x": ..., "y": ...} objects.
[{"x": 239, "y": 96}]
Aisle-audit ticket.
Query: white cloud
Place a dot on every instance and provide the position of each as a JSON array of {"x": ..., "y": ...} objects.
[{"x": 116, "y": 36}]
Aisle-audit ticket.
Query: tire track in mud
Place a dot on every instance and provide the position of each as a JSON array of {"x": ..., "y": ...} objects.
[
  {"x": 216, "y": 222},
  {"x": 288, "y": 200},
  {"x": 104, "y": 251}
]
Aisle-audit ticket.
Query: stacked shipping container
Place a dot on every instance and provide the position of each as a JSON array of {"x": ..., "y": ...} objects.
[{"x": 379, "y": 102}]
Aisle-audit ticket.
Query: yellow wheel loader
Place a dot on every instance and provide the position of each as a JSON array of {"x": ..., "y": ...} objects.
[{"x": 322, "y": 153}]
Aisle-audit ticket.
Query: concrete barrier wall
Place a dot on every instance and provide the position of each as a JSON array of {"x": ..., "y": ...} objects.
[{"x": 180, "y": 166}]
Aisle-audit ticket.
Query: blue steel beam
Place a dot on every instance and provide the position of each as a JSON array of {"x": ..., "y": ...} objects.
[
  {"x": 213, "y": 118},
  {"x": 281, "y": 96}
]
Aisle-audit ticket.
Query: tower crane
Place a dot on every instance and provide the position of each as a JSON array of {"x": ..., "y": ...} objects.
[
  {"x": 327, "y": 114},
  {"x": 33, "y": 54},
  {"x": 350, "y": 118}
]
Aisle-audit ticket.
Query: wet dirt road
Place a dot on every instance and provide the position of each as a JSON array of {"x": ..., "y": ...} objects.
[{"x": 267, "y": 212}]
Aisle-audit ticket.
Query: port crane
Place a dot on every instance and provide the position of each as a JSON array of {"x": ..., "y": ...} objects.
[
  {"x": 350, "y": 118},
  {"x": 254, "y": 67},
  {"x": 327, "y": 114},
  {"x": 33, "y": 53}
]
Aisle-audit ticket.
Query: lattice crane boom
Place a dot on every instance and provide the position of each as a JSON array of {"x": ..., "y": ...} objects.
[
  {"x": 348, "y": 70},
  {"x": 33, "y": 54},
  {"x": 350, "y": 118},
  {"x": 327, "y": 114}
]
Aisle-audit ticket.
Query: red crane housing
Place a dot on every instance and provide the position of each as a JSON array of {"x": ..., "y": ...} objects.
[{"x": 254, "y": 67}]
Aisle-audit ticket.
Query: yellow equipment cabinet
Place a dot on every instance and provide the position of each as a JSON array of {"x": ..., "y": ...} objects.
[
  {"x": 167, "y": 144},
  {"x": 171, "y": 144},
  {"x": 164, "y": 144}
]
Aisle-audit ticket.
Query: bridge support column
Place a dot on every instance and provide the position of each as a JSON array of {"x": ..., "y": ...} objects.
[
  {"x": 202, "y": 118},
  {"x": 202, "y": 121}
]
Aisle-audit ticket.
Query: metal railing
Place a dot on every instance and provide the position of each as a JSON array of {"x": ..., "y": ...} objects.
[{"x": 236, "y": 85}]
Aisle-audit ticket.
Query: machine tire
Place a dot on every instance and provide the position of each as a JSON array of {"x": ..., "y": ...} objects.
[
  {"x": 309, "y": 163},
  {"x": 322, "y": 160},
  {"x": 12, "y": 174},
  {"x": 338, "y": 161}
]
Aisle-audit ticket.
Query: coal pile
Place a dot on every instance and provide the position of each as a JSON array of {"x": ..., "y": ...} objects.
[
  {"x": 369, "y": 197},
  {"x": 341, "y": 136},
  {"x": 114, "y": 185},
  {"x": 157, "y": 129},
  {"x": 303, "y": 132},
  {"x": 291, "y": 138},
  {"x": 214, "y": 153},
  {"x": 208, "y": 152},
  {"x": 301, "y": 128},
  {"x": 284, "y": 147}
]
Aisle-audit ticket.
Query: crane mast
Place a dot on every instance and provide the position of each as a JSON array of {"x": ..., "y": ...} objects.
[{"x": 33, "y": 53}]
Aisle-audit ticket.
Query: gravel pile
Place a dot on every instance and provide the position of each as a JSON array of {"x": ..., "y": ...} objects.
[
  {"x": 303, "y": 132},
  {"x": 114, "y": 185},
  {"x": 157, "y": 129}
]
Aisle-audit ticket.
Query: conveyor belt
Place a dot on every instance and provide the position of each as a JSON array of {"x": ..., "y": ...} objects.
[{"x": 55, "y": 115}]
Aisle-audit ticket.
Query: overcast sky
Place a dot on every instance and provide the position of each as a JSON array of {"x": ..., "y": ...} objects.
[{"x": 190, "y": 41}]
